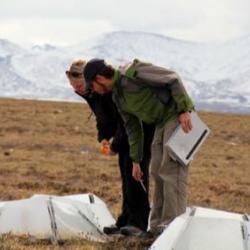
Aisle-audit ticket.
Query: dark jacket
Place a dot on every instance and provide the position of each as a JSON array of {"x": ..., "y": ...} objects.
[{"x": 108, "y": 121}]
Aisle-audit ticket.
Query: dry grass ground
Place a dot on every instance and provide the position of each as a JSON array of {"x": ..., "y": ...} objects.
[{"x": 51, "y": 148}]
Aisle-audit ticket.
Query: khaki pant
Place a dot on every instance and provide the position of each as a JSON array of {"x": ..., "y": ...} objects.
[{"x": 170, "y": 179}]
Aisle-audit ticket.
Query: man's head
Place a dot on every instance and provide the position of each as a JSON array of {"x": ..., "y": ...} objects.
[
  {"x": 75, "y": 76},
  {"x": 98, "y": 76}
]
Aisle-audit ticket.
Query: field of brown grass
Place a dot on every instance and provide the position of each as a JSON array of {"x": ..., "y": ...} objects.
[{"x": 51, "y": 148}]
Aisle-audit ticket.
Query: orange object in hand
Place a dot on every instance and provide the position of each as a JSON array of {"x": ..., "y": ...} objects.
[{"x": 104, "y": 150}]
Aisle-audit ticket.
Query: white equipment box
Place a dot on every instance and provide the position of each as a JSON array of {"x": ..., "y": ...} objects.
[{"x": 183, "y": 146}]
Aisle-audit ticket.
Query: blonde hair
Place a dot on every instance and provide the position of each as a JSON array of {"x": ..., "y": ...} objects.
[{"x": 76, "y": 69}]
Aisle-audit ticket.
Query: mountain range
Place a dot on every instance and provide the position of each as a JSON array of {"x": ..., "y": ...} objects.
[{"x": 217, "y": 76}]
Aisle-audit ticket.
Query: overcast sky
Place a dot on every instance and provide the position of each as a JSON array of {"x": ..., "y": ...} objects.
[{"x": 63, "y": 22}]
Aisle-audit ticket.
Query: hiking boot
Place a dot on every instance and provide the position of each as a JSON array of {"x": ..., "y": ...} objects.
[
  {"x": 131, "y": 231},
  {"x": 113, "y": 229}
]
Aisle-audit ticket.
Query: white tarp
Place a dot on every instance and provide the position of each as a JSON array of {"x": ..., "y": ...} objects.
[
  {"x": 206, "y": 229},
  {"x": 57, "y": 218},
  {"x": 85, "y": 215}
]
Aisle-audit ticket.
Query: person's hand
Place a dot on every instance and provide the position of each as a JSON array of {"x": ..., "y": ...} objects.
[
  {"x": 105, "y": 142},
  {"x": 105, "y": 147},
  {"x": 185, "y": 121},
  {"x": 136, "y": 172}
]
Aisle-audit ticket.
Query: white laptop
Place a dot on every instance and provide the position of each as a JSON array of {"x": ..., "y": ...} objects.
[{"x": 183, "y": 146}]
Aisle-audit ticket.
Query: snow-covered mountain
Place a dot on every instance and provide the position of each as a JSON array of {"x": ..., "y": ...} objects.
[
  {"x": 217, "y": 76},
  {"x": 9, "y": 48}
]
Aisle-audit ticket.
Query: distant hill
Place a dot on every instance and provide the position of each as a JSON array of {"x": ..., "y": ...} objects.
[{"x": 217, "y": 76}]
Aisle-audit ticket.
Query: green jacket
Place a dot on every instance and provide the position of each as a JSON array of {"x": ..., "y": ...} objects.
[{"x": 145, "y": 92}]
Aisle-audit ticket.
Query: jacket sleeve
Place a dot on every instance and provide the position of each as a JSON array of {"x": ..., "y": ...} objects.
[
  {"x": 105, "y": 128},
  {"x": 134, "y": 132},
  {"x": 156, "y": 76},
  {"x": 120, "y": 138}
]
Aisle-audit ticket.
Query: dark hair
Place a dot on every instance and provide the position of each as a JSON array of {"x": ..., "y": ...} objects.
[
  {"x": 97, "y": 67},
  {"x": 108, "y": 72}
]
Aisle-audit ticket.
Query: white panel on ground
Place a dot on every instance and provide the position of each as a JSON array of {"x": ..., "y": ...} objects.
[
  {"x": 207, "y": 234},
  {"x": 44, "y": 216},
  {"x": 205, "y": 229}
]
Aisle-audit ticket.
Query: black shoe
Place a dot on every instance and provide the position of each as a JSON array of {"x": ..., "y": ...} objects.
[
  {"x": 156, "y": 231},
  {"x": 150, "y": 235},
  {"x": 113, "y": 229},
  {"x": 131, "y": 231}
]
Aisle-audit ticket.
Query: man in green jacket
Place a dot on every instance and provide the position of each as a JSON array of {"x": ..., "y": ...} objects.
[{"x": 154, "y": 95}]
